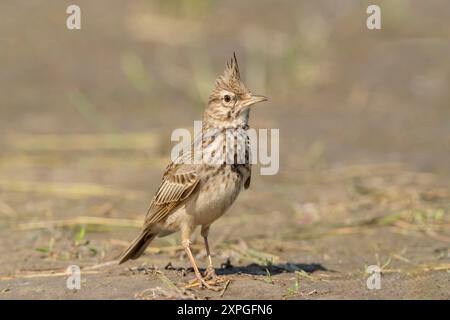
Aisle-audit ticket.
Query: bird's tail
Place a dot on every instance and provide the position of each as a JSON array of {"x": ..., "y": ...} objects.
[{"x": 137, "y": 247}]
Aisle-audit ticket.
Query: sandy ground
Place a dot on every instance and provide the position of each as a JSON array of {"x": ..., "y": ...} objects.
[{"x": 85, "y": 123}]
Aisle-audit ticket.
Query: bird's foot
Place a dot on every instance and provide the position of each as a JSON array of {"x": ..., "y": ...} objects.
[
  {"x": 210, "y": 274},
  {"x": 213, "y": 284}
]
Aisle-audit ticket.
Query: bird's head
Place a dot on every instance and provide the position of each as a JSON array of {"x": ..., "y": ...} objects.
[{"x": 230, "y": 99}]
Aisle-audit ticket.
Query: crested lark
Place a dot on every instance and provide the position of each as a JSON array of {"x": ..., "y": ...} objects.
[{"x": 196, "y": 194}]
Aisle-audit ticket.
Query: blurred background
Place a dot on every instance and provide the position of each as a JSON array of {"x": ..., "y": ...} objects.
[{"x": 86, "y": 117}]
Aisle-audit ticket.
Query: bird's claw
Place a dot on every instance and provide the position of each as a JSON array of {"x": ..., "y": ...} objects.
[
  {"x": 203, "y": 283},
  {"x": 210, "y": 274}
]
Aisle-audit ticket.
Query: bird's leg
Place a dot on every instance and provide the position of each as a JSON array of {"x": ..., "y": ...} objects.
[
  {"x": 200, "y": 280},
  {"x": 210, "y": 271},
  {"x": 185, "y": 235}
]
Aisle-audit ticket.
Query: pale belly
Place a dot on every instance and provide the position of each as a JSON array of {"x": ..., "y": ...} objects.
[{"x": 216, "y": 194}]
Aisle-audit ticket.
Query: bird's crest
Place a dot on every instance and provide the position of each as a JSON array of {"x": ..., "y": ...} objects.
[
  {"x": 231, "y": 78},
  {"x": 232, "y": 70}
]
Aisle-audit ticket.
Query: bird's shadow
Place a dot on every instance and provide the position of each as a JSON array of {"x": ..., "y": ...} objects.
[{"x": 257, "y": 269}]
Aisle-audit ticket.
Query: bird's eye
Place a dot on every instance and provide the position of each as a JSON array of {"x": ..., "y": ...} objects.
[{"x": 227, "y": 98}]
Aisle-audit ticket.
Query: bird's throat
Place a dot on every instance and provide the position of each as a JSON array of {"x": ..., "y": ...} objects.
[{"x": 239, "y": 120}]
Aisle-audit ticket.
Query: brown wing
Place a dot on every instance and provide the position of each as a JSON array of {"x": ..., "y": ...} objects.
[{"x": 179, "y": 181}]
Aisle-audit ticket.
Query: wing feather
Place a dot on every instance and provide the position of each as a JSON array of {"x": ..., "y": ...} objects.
[{"x": 179, "y": 182}]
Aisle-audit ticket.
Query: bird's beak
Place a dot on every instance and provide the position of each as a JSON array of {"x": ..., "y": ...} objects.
[{"x": 254, "y": 99}]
